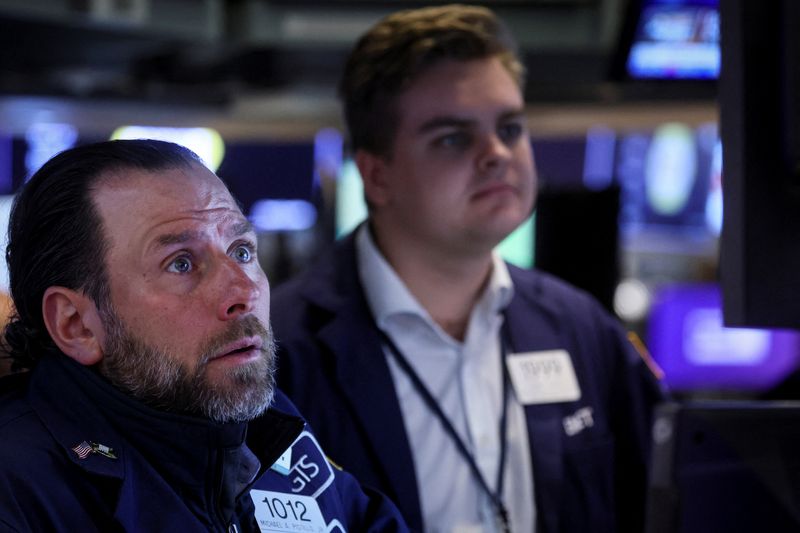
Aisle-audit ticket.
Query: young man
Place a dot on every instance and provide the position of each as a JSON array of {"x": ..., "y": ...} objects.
[
  {"x": 480, "y": 397},
  {"x": 150, "y": 405}
]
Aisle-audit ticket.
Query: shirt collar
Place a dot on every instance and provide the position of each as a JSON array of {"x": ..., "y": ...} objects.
[
  {"x": 500, "y": 289},
  {"x": 387, "y": 295}
]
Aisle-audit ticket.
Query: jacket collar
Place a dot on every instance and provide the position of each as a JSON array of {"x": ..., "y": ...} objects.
[
  {"x": 361, "y": 367},
  {"x": 99, "y": 413},
  {"x": 80, "y": 408}
]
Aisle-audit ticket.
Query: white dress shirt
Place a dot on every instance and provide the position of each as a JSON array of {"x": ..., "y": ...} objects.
[{"x": 466, "y": 379}]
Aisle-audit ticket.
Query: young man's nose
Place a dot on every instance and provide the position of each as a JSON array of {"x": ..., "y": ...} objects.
[{"x": 493, "y": 153}]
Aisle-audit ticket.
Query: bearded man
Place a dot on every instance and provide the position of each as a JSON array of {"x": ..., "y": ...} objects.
[{"x": 143, "y": 316}]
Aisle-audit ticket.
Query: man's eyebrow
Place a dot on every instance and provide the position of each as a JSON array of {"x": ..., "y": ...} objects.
[
  {"x": 240, "y": 228},
  {"x": 455, "y": 122},
  {"x": 443, "y": 122},
  {"x": 168, "y": 239},
  {"x": 513, "y": 114}
]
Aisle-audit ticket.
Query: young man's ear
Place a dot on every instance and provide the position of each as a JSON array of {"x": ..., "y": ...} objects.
[
  {"x": 74, "y": 324},
  {"x": 372, "y": 168}
]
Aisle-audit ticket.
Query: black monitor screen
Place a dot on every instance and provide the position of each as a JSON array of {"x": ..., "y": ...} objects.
[{"x": 725, "y": 467}]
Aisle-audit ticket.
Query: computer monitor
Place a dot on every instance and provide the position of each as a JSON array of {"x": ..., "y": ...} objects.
[
  {"x": 725, "y": 467},
  {"x": 676, "y": 39},
  {"x": 670, "y": 179},
  {"x": 760, "y": 126},
  {"x": 669, "y": 40}
]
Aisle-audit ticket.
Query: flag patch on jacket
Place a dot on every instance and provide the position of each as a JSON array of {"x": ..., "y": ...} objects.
[{"x": 82, "y": 450}]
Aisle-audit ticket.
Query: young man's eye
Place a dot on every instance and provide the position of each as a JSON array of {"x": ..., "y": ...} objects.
[
  {"x": 243, "y": 254},
  {"x": 453, "y": 140},
  {"x": 180, "y": 265},
  {"x": 510, "y": 132}
]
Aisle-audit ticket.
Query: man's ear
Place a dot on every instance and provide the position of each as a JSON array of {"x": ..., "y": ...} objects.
[
  {"x": 372, "y": 168},
  {"x": 74, "y": 324}
]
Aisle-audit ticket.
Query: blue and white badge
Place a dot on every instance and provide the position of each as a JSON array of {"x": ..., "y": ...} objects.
[
  {"x": 310, "y": 473},
  {"x": 278, "y": 512},
  {"x": 543, "y": 377}
]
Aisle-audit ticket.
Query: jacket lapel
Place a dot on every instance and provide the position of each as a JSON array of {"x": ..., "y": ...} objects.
[
  {"x": 545, "y": 432},
  {"x": 362, "y": 370}
]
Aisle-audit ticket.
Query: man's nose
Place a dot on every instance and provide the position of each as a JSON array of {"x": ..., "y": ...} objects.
[
  {"x": 494, "y": 153},
  {"x": 239, "y": 291}
]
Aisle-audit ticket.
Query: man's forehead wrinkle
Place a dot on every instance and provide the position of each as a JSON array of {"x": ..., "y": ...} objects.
[{"x": 224, "y": 213}]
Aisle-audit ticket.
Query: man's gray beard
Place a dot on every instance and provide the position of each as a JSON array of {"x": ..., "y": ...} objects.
[{"x": 155, "y": 377}]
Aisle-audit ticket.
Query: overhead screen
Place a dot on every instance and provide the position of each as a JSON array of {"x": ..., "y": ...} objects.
[{"x": 671, "y": 39}]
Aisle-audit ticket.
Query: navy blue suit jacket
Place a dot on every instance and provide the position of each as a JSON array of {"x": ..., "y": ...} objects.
[
  {"x": 166, "y": 472},
  {"x": 331, "y": 364}
]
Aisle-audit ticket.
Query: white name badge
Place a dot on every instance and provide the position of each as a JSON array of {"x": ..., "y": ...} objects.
[
  {"x": 543, "y": 377},
  {"x": 277, "y": 512}
]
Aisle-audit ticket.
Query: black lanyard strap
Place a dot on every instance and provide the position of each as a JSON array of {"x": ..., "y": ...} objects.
[{"x": 433, "y": 405}]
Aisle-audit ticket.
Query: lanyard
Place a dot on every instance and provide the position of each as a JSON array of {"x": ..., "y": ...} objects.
[{"x": 495, "y": 496}]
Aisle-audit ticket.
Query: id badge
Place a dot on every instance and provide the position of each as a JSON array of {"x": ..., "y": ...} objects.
[
  {"x": 277, "y": 512},
  {"x": 543, "y": 377}
]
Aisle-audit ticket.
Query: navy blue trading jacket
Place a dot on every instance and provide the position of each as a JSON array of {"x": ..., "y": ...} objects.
[
  {"x": 78, "y": 455},
  {"x": 332, "y": 366}
]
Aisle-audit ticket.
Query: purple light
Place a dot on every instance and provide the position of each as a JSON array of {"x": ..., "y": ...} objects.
[{"x": 696, "y": 351}]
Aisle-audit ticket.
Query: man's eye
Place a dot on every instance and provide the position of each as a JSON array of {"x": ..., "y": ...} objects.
[
  {"x": 243, "y": 254},
  {"x": 180, "y": 265},
  {"x": 510, "y": 132},
  {"x": 453, "y": 140}
]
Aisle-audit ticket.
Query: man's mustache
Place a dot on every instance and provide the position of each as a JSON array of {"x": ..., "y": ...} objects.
[{"x": 248, "y": 326}]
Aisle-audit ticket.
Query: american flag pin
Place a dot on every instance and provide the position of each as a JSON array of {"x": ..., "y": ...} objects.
[{"x": 83, "y": 450}]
